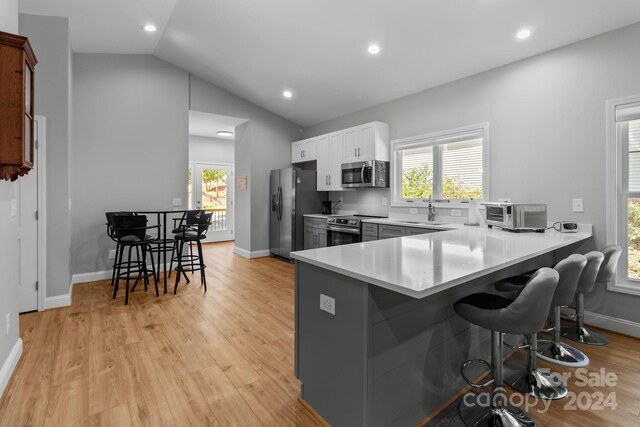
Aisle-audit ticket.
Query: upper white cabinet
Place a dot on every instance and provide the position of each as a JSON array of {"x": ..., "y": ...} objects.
[
  {"x": 329, "y": 150},
  {"x": 303, "y": 151},
  {"x": 366, "y": 142}
]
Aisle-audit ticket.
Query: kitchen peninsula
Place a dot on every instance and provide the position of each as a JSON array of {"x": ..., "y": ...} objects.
[{"x": 377, "y": 341}]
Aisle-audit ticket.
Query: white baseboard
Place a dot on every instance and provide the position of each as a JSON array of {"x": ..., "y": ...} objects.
[
  {"x": 9, "y": 365},
  {"x": 250, "y": 254},
  {"x": 614, "y": 324},
  {"x": 57, "y": 301}
]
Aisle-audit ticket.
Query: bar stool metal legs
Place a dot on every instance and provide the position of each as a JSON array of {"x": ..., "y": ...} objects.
[
  {"x": 476, "y": 410},
  {"x": 531, "y": 381},
  {"x": 578, "y": 332},
  {"x": 558, "y": 352}
]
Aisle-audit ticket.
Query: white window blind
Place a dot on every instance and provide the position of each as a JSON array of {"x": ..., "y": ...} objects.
[{"x": 449, "y": 165}]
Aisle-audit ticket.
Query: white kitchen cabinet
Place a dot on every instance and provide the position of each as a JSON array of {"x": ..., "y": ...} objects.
[
  {"x": 329, "y": 167},
  {"x": 366, "y": 142},
  {"x": 303, "y": 151}
]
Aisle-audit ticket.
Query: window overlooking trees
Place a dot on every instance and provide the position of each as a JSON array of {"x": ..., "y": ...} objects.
[
  {"x": 450, "y": 165},
  {"x": 623, "y": 216}
]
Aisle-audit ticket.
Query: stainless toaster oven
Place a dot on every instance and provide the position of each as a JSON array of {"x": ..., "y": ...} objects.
[{"x": 516, "y": 216}]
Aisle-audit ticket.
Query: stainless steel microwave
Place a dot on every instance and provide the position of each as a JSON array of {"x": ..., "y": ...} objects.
[
  {"x": 516, "y": 216},
  {"x": 372, "y": 173}
]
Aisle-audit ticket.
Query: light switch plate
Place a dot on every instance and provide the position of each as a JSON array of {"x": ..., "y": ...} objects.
[
  {"x": 177, "y": 201},
  {"x": 456, "y": 212},
  {"x": 384, "y": 201},
  {"x": 578, "y": 205},
  {"x": 328, "y": 304},
  {"x": 413, "y": 210},
  {"x": 14, "y": 207}
]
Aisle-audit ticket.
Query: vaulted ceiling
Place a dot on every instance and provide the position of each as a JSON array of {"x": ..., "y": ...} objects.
[{"x": 318, "y": 49}]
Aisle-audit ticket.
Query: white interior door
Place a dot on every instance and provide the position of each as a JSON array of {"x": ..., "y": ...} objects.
[
  {"x": 28, "y": 235},
  {"x": 212, "y": 190}
]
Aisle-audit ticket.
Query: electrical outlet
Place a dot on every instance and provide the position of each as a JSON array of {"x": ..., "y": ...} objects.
[
  {"x": 177, "y": 201},
  {"x": 112, "y": 253},
  {"x": 413, "y": 210},
  {"x": 340, "y": 200},
  {"x": 456, "y": 212},
  {"x": 578, "y": 205},
  {"x": 384, "y": 201},
  {"x": 7, "y": 323},
  {"x": 328, "y": 304}
]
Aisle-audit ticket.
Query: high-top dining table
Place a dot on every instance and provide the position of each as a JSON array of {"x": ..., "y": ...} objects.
[{"x": 164, "y": 243}]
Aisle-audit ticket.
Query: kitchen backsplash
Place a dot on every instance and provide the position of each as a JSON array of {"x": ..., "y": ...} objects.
[{"x": 369, "y": 202}]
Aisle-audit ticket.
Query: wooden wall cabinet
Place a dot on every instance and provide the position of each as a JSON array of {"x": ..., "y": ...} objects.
[{"x": 17, "y": 63}]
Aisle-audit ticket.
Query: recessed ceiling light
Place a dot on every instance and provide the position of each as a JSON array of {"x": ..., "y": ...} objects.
[
  {"x": 373, "y": 49},
  {"x": 523, "y": 34},
  {"x": 224, "y": 133},
  {"x": 149, "y": 28},
  {"x": 287, "y": 94}
]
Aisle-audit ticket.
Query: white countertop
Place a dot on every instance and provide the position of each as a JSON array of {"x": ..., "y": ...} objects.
[
  {"x": 321, "y": 216},
  {"x": 419, "y": 266}
]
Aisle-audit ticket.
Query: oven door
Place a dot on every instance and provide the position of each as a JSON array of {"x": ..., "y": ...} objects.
[
  {"x": 337, "y": 236},
  {"x": 498, "y": 215},
  {"x": 359, "y": 174}
]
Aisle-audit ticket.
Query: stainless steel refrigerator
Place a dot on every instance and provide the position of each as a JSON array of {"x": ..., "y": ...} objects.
[{"x": 293, "y": 194}]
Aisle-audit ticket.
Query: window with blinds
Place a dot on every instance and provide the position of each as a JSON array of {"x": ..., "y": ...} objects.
[
  {"x": 447, "y": 166},
  {"x": 627, "y": 190}
]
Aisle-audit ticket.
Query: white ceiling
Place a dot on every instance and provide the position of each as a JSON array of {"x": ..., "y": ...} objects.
[
  {"x": 317, "y": 49},
  {"x": 206, "y": 124}
]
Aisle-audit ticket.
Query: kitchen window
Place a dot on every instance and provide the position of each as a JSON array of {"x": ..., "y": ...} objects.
[
  {"x": 450, "y": 166},
  {"x": 623, "y": 175}
]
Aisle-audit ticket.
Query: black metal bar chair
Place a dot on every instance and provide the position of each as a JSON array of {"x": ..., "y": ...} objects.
[
  {"x": 112, "y": 236},
  {"x": 195, "y": 234},
  {"x": 189, "y": 221},
  {"x": 131, "y": 233}
]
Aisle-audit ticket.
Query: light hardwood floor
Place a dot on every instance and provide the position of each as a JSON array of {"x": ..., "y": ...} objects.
[{"x": 221, "y": 358}]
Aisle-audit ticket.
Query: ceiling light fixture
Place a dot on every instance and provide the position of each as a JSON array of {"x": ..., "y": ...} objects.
[
  {"x": 287, "y": 94},
  {"x": 149, "y": 28},
  {"x": 373, "y": 49},
  {"x": 224, "y": 133},
  {"x": 523, "y": 34}
]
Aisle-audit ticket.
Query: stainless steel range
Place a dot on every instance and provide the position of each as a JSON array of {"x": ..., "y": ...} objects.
[{"x": 343, "y": 230}]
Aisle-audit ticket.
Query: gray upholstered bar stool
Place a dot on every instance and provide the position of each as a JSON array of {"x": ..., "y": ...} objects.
[
  {"x": 604, "y": 273},
  {"x": 530, "y": 380},
  {"x": 555, "y": 351},
  {"x": 525, "y": 315}
]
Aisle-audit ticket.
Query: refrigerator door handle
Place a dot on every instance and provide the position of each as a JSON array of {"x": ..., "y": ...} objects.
[{"x": 279, "y": 203}]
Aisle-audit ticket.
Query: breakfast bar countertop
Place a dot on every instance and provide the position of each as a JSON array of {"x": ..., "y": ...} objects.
[{"x": 422, "y": 265}]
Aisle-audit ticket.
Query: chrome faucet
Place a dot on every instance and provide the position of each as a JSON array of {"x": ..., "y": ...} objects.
[{"x": 431, "y": 211}]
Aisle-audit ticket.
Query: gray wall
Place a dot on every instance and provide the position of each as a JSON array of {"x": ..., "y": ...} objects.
[
  {"x": 9, "y": 260},
  {"x": 261, "y": 145},
  {"x": 547, "y": 118},
  {"x": 211, "y": 150},
  {"x": 130, "y": 145},
  {"x": 49, "y": 37}
]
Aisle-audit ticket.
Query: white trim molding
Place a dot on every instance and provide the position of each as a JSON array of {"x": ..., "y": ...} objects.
[
  {"x": 9, "y": 365},
  {"x": 41, "y": 123},
  {"x": 57, "y": 301},
  {"x": 614, "y": 324},
  {"x": 250, "y": 254}
]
